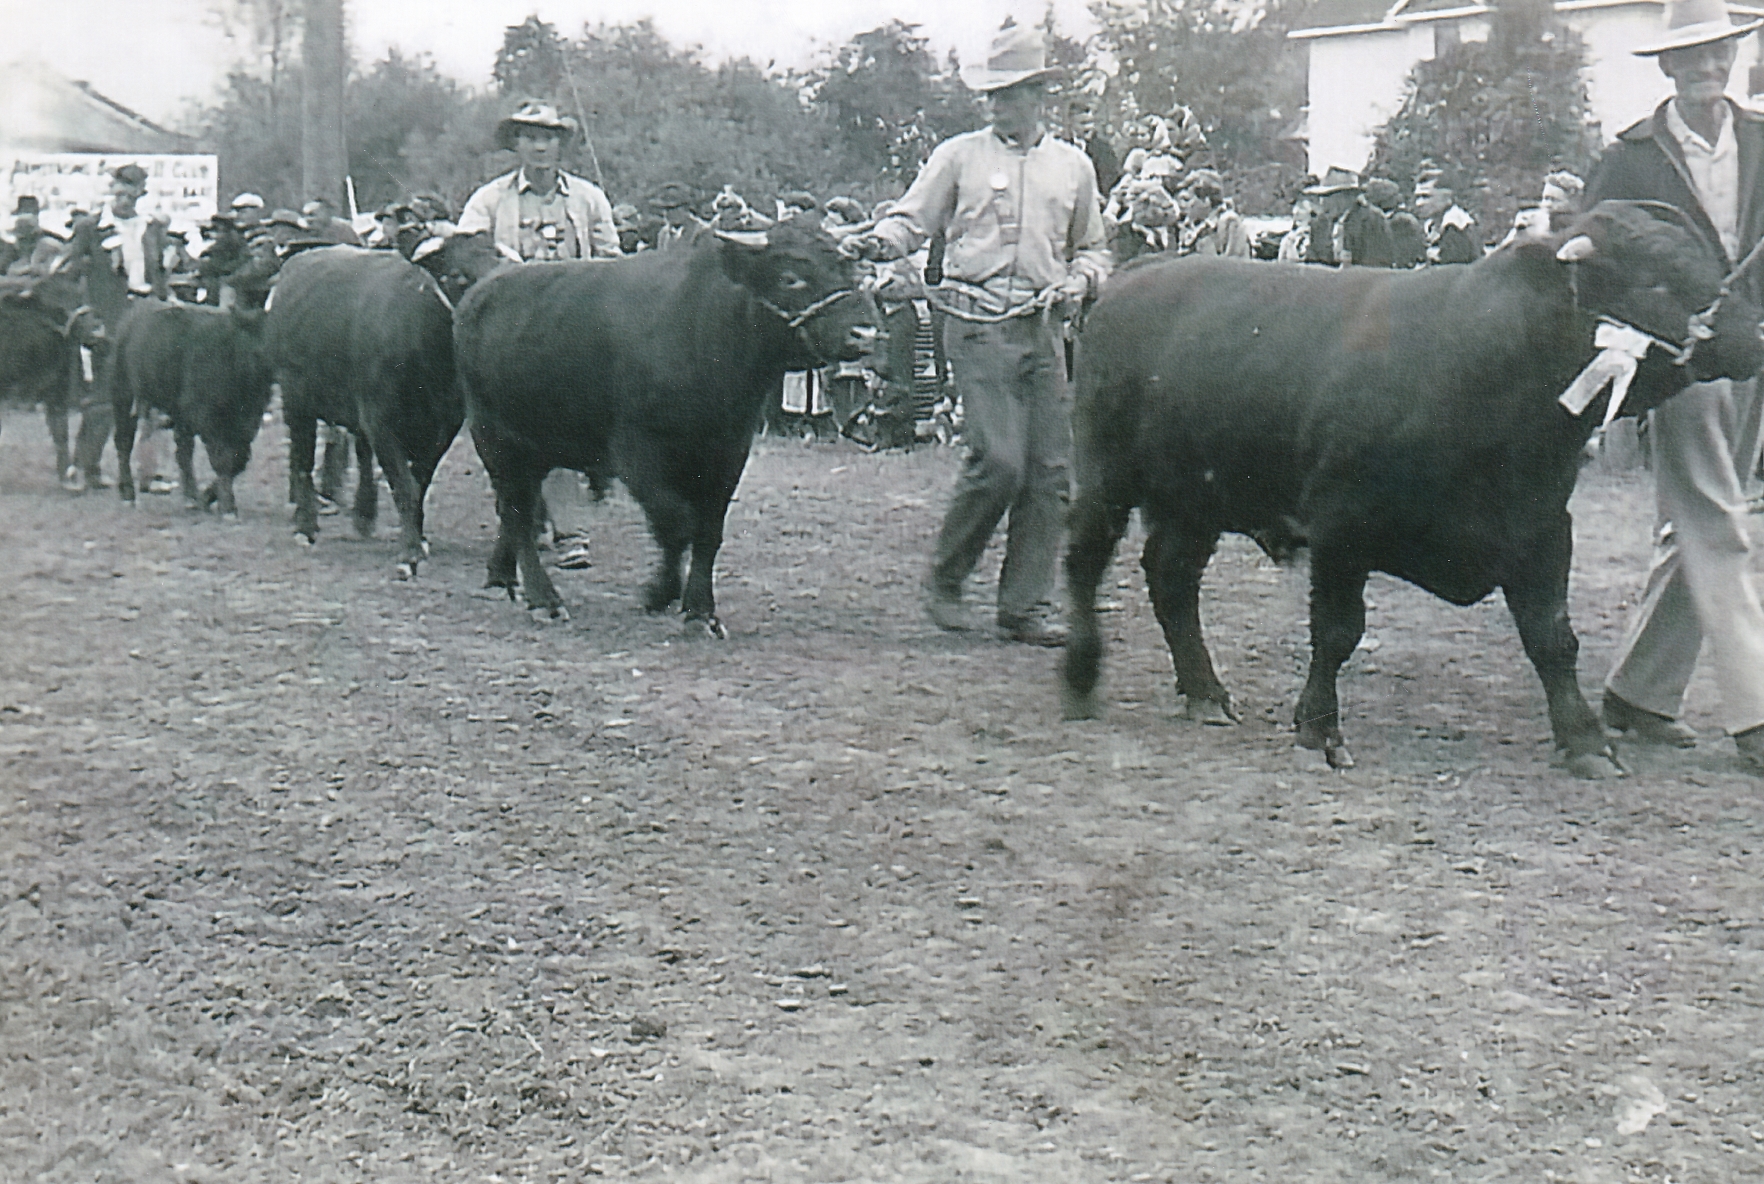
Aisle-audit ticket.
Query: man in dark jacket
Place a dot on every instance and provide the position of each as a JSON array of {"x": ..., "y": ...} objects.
[{"x": 1702, "y": 153}]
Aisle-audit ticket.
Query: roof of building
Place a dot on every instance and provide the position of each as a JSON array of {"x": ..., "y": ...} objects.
[
  {"x": 41, "y": 110},
  {"x": 1334, "y": 18}
]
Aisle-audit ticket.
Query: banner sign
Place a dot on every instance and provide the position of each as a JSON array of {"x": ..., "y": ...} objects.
[{"x": 181, "y": 189}]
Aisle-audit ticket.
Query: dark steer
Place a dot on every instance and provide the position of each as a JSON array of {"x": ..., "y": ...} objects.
[
  {"x": 43, "y": 323},
  {"x": 653, "y": 368},
  {"x": 1407, "y": 423},
  {"x": 205, "y": 368},
  {"x": 364, "y": 339}
]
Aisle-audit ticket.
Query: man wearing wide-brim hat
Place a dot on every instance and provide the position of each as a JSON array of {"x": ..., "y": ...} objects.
[
  {"x": 538, "y": 211},
  {"x": 1026, "y": 242},
  {"x": 1337, "y": 193},
  {"x": 681, "y": 224},
  {"x": 1703, "y": 153},
  {"x": 18, "y": 249}
]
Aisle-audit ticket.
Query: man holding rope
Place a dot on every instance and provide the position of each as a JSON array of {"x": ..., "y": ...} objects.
[
  {"x": 1700, "y": 152},
  {"x": 1026, "y": 247}
]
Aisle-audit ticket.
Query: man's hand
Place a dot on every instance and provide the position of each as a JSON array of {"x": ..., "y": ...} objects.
[
  {"x": 870, "y": 245},
  {"x": 1070, "y": 291}
]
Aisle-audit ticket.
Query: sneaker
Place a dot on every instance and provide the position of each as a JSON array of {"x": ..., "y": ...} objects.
[
  {"x": 73, "y": 480},
  {"x": 328, "y": 507},
  {"x": 160, "y": 485},
  {"x": 947, "y": 611},
  {"x": 1647, "y": 727},
  {"x": 1037, "y": 628},
  {"x": 573, "y": 553}
]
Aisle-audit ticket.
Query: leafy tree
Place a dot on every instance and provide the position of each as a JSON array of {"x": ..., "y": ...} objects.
[
  {"x": 1227, "y": 60},
  {"x": 531, "y": 60},
  {"x": 250, "y": 129},
  {"x": 411, "y": 129},
  {"x": 1495, "y": 116}
]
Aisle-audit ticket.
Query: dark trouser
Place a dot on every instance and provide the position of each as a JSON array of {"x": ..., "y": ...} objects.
[
  {"x": 96, "y": 418},
  {"x": 1017, "y": 423}
]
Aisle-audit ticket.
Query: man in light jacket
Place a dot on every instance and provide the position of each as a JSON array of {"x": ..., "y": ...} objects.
[{"x": 539, "y": 213}]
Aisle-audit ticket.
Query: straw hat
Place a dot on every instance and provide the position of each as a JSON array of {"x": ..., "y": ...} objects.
[
  {"x": 534, "y": 116},
  {"x": 1697, "y": 22},
  {"x": 1335, "y": 180},
  {"x": 1018, "y": 55}
]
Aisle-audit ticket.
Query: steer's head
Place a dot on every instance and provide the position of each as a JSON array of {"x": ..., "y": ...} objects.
[
  {"x": 794, "y": 269},
  {"x": 457, "y": 261},
  {"x": 1646, "y": 265},
  {"x": 56, "y": 298}
]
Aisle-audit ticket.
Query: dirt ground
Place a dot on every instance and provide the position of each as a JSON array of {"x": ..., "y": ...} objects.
[{"x": 306, "y": 874}]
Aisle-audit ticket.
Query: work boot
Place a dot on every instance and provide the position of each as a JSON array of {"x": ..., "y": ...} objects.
[
  {"x": 572, "y": 552},
  {"x": 1648, "y": 727},
  {"x": 1751, "y": 749},
  {"x": 946, "y": 609},
  {"x": 1036, "y": 627}
]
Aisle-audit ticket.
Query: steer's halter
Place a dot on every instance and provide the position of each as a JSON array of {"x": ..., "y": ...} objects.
[{"x": 795, "y": 321}]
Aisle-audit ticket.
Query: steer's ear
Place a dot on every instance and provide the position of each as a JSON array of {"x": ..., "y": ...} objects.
[{"x": 1577, "y": 249}]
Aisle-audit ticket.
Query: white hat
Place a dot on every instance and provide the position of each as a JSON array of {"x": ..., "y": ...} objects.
[
  {"x": 247, "y": 201},
  {"x": 1018, "y": 55},
  {"x": 1696, "y": 22}
]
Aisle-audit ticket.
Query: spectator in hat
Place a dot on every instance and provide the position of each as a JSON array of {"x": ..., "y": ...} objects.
[
  {"x": 247, "y": 210},
  {"x": 1698, "y": 152},
  {"x": 319, "y": 217},
  {"x": 226, "y": 253},
  {"x": 1408, "y": 241},
  {"x": 18, "y": 249},
  {"x": 1335, "y": 194},
  {"x": 538, "y": 211},
  {"x": 1025, "y": 238},
  {"x": 674, "y": 203},
  {"x": 625, "y": 221},
  {"x": 1357, "y": 232}
]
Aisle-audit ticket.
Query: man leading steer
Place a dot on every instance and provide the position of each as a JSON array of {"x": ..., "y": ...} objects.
[
  {"x": 1026, "y": 247},
  {"x": 1699, "y": 152},
  {"x": 539, "y": 212}
]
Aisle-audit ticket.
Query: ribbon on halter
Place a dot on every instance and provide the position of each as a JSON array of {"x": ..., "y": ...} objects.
[{"x": 1621, "y": 348}]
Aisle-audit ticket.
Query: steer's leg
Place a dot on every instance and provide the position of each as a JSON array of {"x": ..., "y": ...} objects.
[
  {"x": 396, "y": 465},
  {"x": 185, "y": 441},
  {"x": 367, "y": 485},
  {"x": 1537, "y": 596},
  {"x": 302, "y": 443},
  {"x": 125, "y": 450},
  {"x": 672, "y": 521},
  {"x": 56, "y": 399},
  {"x": 493, "y": 453},
  {"x": 1095, "y": 531},
  {"x": 1173, "y": 560},
  {"x": 1338, "y": 619},
  {"x": 518, "y": 502}
]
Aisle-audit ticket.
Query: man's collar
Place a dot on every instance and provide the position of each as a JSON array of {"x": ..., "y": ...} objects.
[
  {"x": 522, "y": 184},
  {"x": 1040, "y": 134},
  {"x": 1679, "y": 130}
]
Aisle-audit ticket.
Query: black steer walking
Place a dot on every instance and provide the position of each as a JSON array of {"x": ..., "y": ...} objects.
[
  {"x": 654, "y": 368},
  {"x": 1407, "y": 423},
  {"x": 364, "y": 339},
  {"x": 43, "y": 323},
  {"x": 207, "y": 370}
]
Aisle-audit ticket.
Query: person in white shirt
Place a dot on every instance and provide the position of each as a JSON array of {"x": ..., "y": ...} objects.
[{"x": 1700, "y": 152}]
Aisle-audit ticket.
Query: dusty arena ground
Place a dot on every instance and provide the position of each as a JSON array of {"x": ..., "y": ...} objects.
[{"x": 310, "y": 875}]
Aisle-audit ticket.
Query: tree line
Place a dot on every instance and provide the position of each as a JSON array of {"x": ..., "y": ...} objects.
[{"x": 1495, "y": 115}]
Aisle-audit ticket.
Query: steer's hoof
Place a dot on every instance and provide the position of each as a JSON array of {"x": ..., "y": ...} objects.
[
  {"x": 1076, "y": 704},
  {"x": 404, "y": 569},
  {"x": 710, "y": 627},
  {"x": 1337, "y": 754},
  {"x": 230, "y": 516},
  {"x": 543, "y": 613},
  {"x": 1210, "y": 712},
  {"x": 1595, "y": 766},
  {"x": 302, "y": 539},
  {"x": 425, "y": 548}
]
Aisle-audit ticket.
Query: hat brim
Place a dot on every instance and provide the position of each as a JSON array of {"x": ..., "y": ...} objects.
[
  {"x": 986, "y": 81},
  {"x": 508, "y": 129},
  {"x": 1703, "y": 33},
  {"x": 1326, "y": 190}
]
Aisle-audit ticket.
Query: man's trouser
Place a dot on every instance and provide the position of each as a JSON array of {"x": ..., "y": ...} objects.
[
  {"x": 566, "y": 502},
  {"x": 1704, "y": 442},
  {"x": 1017, "y": 424}
]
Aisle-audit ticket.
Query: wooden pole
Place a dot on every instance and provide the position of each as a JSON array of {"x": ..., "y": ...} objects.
[{"x": 323, "y": 161}]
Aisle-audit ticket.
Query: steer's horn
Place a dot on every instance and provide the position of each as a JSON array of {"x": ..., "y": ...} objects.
[
  {"x": 1576, "y": 249},
  {"x": 745, "y": 238}
]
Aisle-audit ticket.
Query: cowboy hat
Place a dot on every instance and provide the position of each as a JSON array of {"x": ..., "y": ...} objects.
[
  {"x": 671, "y": 196},
  {"x": 283, "y": 218},
  {"x": 247, "y": 201},
  {"x": 28, "y": 203},
  {"x": 1696, "y": 22},
  {"x": 1018, "y": 55},
  {"x": 1335, "y": 180},
  {"x": 534, "y": 116}
]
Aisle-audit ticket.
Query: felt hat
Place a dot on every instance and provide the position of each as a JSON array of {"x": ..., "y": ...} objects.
[
  {"x": 28, "y": 203},
  {"x": 1018, "y": 55},
  {"x": 246, "y": 201},
  {"x": 671, "y": 196},
  {"x": 1335, "y": 180},
  {"x": 1697, "y": 22},
  {"x": 129, "y": 174},
  {"x": 534, "y": 116},
  {"x": 283, "y": 218}
]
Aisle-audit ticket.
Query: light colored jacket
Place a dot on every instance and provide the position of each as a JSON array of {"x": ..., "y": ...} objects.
[
  {"x": 1029, "y": 214},
  {"x": 496, "y": 207}
]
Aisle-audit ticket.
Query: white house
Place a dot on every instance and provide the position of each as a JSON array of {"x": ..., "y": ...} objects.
[{"x": 1361, "y": 53}]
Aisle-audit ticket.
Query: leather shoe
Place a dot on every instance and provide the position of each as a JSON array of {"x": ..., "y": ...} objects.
[
  {"x": 947, "y": 611},
  {"x": 1032, "y": 630},
  {"x": 1751, "y": 748},
  {"x": 1648, "y": 727}
]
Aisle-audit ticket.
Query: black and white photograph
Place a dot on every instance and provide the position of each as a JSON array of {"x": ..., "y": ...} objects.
[{"x": 881, "y": 591}]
